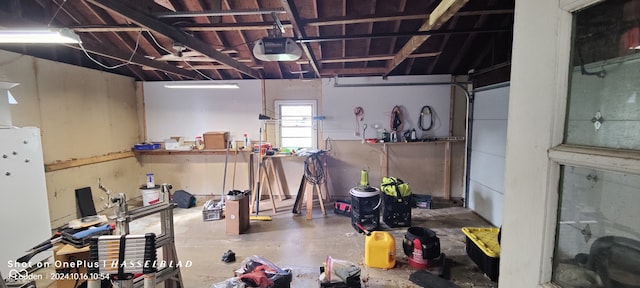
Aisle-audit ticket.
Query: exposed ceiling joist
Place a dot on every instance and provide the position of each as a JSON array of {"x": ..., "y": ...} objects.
[
  {"x": 183, "y": 14},
  {"x": 292, "y": 10},
  {"x": 286, "y": 24},
  {"x": 484, "y": 12},
  {"x": 392, "y": 17},
  {"x": 96, "y": 48},
  {"x": 375, "y": 58},
  {"x": 173, "y": 33},
  {"x": 353, "y": 71},
  {"x": 361, "y": 19},
  {"x": 440, "y": 15},
  {"x": 232, "y": 26},
  {"x": 334, "y": 34},
  {"x": 213, "y": 27},
  {"x": 215, "y": 67},
  {"x": 99, "y": 49},
  {"x": 401, "y": 34}
]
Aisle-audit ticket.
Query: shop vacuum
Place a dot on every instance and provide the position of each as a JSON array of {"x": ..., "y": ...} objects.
[{"x": 422, "y": 246}]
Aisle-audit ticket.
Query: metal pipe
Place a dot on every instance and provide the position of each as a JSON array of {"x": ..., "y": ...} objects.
[
  {"x": 148, "y": 210},
  {"x": 218, "y": 13},
  {"x": 401, "y": 84},
  {"x": 400, "y": 34},
  {"x": 467, "y": 155}
]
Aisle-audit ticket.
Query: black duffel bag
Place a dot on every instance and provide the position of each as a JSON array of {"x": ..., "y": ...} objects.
[{"x": 184, "y": 199}]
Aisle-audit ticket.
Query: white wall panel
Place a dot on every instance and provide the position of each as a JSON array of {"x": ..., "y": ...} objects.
[
  {"x": 488, "y": 146},
  {"x": 491, "y": 104},
  {"x": 489, "y": 136},
  {"x": 488, "y": 169},
  {"x": 191, "y": 112},
  {"x": 377, "y": 102},
  {"x": 486, "y": 202}
]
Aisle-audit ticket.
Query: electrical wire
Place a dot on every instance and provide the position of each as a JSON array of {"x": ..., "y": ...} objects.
[
  {"x": 314, "y": 176},
  {"x": 421, "y": 120},
  {"x": 158, "y": 44},
  {"x": 197, "y": 71},
  {"x": 115, "y": 66},
  {"x": 185, "y": 62}
]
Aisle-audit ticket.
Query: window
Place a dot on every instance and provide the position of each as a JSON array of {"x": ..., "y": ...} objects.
[
  {"x": 597, "y": 232},
  {"x": 297, "y": 128}
]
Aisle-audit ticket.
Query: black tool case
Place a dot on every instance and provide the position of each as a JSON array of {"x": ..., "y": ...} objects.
[{"x": 397, "y": 211}]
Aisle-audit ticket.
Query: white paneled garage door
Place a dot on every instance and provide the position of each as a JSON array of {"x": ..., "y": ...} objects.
[{"x": 488, "y": 146}]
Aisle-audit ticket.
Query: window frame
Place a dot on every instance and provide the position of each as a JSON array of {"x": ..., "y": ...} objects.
[
  {"x": 617, "y": 160},
  {"x": 314, "y": 111}
]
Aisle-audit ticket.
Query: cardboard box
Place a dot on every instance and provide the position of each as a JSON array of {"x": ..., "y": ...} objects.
[
  {"x": 215, "y": 140},
  {"x": 65, "y": 255},
  {"x": 237, "y": 215}
]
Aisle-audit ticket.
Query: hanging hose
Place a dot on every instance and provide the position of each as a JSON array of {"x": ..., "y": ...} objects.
[
  {"x": 316, "y": 175},
  {"x": 359, "y": 113},
  {"x": 426, "y": 111},
  {"x": 396, "y": 123}
]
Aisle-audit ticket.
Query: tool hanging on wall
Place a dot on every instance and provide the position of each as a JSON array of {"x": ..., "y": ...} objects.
[
  {"x": 364, "y": 131},
  {"x": 359, "y": 114},
  {"x": 426, "y": 111},
  {"x": 396, "y": 119}
]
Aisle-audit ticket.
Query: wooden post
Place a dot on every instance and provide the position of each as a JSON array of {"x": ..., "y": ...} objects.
[{"x": 447, "y": 170}]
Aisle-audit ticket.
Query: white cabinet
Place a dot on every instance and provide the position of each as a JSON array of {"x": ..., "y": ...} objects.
[{"x": 24, "y": 208}]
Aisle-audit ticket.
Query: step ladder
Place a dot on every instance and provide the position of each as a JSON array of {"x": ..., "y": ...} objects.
[{"x": 170, "y": 274}]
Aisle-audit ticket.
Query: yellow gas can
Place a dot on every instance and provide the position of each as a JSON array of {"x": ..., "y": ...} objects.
[{"x": 380, "y": 250}]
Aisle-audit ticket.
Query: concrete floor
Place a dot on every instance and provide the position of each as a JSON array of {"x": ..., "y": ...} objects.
[{"x": 291, "y": 241}]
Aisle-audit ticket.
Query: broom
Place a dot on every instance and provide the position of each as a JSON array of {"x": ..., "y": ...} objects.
[{"x": 259, "y": 217}]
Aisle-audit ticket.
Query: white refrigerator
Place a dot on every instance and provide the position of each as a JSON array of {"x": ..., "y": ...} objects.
[{"x": 24, "y": 207}]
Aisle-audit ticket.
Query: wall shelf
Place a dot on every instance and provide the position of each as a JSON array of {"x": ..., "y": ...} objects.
[
  {"x": 384, "y": 161},
  {"x": 436, "y": 141},
  {"x": 187, "y": 152}
]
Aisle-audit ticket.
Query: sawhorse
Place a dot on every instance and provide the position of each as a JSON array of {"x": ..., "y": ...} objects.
[
  {"x": 266, "y": 167},
  {"x": 310, "y": 185}
]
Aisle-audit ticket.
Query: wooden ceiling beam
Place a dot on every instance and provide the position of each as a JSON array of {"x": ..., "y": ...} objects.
[
  {"x": 194, "y": 27},
  {"x": 375, "y": 58},
  {"x": 221, "y": 67},
  {"x": 173, "y": 33},
  {"x": 287, "y": 24},
  {"x": 292, "y": 10},
  {"x": 484, "y": 12},
  {"x": 142, "y": 44},
  {"x": 242, "y": 44},
  {"x": 392, "y": 17},
  {"x": 212, "y": 38},
  {"x": 98, "y": 48},
  {"x": 440, "y": 15},
  {"x": 362, "y": 19},
  {"x": 211, "y": 67},
  {"x": 396, "y": 26},
  {"x": 443, "y": 44},
  {"x": 464, "y": 49},
  {"x": 105, "y": 51}
]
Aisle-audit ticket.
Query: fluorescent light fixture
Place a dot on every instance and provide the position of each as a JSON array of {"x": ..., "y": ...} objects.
[
  {"x": 53, "y": 35},
  {"x": 202, "y": 86}
]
